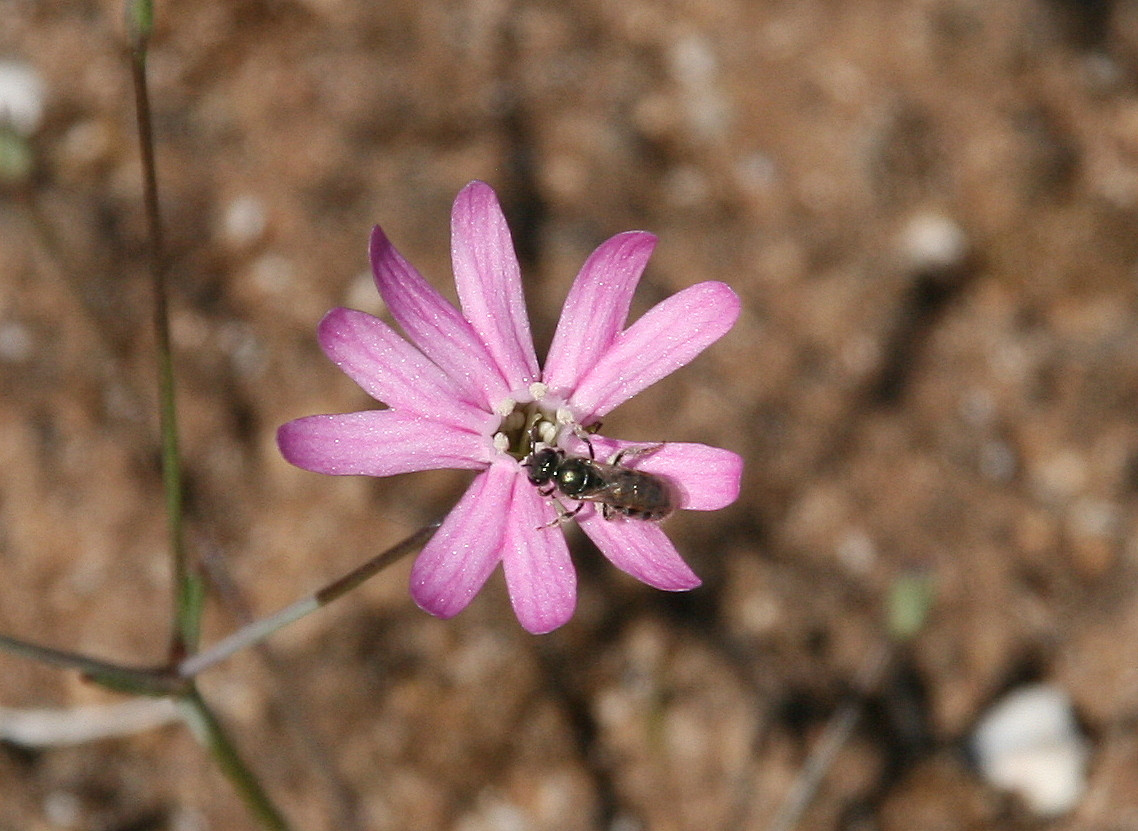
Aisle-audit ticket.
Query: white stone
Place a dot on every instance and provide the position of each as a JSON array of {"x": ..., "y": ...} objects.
[
  {"x": 244, "y": 220},
  {"x": 933, "y": 242},
  {"x": 22, "y": 93},
  {"x": 1030, "y": 745}
]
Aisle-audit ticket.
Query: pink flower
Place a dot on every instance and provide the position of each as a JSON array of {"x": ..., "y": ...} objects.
[{"x": 467, "y": 392}]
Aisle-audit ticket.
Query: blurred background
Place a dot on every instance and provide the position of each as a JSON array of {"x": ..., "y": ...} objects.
[{"x": 930, "y": 210}]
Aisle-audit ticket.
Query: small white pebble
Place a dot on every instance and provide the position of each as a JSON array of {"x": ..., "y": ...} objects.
[
  {"x": 932, "y": 242},
  {"x": 244, "y": 221},
  {"x": 857, "y": 552},
  {"x": 15, "y": 342},
  {"x": 1029, "y": 744},
  {"x": 63, "y": 809},
  {"x": 22, "y": 93}
]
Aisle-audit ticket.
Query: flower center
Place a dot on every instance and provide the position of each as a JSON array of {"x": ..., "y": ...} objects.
[
  {"x": 531, "y": 417},
  {"x": 524, "y": 426}
]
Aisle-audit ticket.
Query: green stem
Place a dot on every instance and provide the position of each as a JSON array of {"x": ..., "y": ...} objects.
[
  {"x": 212, "y": 735},
  {"x": 139, "y": 680},
  {"x": 258, "y": 630},
  {"x": 188, "y": 586}
]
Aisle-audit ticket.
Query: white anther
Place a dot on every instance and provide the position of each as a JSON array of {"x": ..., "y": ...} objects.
[
  {"x": 501, "y": 442},
  {"x": 504, "y": 407},
  {"x": 546, "y": 432},
  {"x": 538, "y": 390},
  {"x": 564, "y": 416}
]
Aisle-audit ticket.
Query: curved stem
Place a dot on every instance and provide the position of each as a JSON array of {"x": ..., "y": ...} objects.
[
  {"x": 212, "y": 734},
  {"x": 139, "y": 680},
  {"x": 260, "y": 629},
  {"x": 188, "y": 586}
]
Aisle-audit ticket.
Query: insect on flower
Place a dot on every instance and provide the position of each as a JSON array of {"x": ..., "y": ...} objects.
[
  {"x": 464, "y": 389},
  {"x": 621, "y": 491}
]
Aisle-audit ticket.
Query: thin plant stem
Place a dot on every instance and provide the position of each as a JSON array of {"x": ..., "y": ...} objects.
[
  {"x": 166, "y": 681},
  {"x": 139, "y": 680},
  {"x": 258, "y": 630},
  {"x": 836, "y": 733},
  {"x": 288, "y": 707},
  {"x": 210, "y": 732},
  {"x": 188, "y": 585}
]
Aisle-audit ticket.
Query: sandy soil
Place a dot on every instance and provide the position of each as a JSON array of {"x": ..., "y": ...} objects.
[{"x": 930, "y": 209}]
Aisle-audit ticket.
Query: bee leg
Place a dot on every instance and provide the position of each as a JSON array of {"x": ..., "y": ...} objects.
[
  {"x": 583, "y": 434},
  {"x": 563, "y": 514},
  {"x": 633, "y": 452}
]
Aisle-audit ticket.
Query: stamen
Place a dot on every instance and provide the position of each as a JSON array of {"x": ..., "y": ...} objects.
[
  {"x": 504, "y": 407},
  {"x": 513, "y": 422},
  {"x": 538, "y": 390},
  {"x": 546, "y": 432},
  {"x": 501, "y": 442}
]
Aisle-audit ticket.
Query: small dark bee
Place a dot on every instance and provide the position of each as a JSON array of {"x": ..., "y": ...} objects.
[{"x": 619, "y": 490}]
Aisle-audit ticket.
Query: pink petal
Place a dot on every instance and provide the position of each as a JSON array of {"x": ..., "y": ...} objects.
[
  {"x": 391, "y": 370},
  {"x": 705, "y": 478},
  {"x": 458, "y": 559},
  {"x": 596, "y": 308},
  {"x": 378, "y": 443},
  {"x": 669, "y": 335},
  {"x": 640, "y": 548},
  {"x": 489, "y": 282},
  {"x": 535, "y": 558},
  {"x": 434, "y": 325}
]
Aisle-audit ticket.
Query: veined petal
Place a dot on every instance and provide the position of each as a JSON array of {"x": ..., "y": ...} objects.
[
  {"x": 597, "y": 307},
  {"x": 378, "y": 443},
  {"x": 705, "y": 478},
  {"x": 640, "y": 548},
  {"x": 489, "y": 282},
  {"x": 391, "y": 370},
  {"x": 434, "y": 325},
  {"x": 535, "y": 559},
  {"x": 668, "y": 336},
  {"x": 458, "y": 559}
]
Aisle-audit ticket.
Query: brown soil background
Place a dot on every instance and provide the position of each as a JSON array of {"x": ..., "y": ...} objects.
[{"x": 974, "y": 419}]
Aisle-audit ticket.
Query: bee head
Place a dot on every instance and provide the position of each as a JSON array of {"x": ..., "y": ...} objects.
[{"x": 543, "y": 465}]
